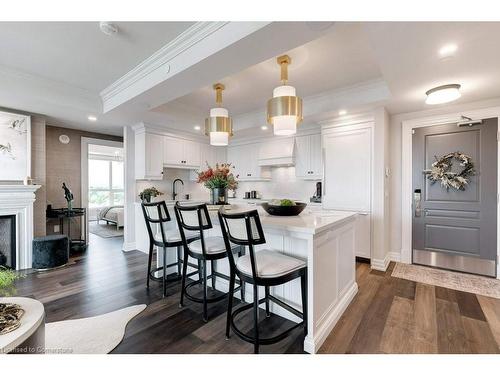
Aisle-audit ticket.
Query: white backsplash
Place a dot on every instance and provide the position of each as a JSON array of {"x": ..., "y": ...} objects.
[
  {"x": 197, "y": 191},
  {"x": 283, "y": 184}
]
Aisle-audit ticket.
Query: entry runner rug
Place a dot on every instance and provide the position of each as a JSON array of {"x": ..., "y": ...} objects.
[
  {"x": 96, "y": 335},
  {"x": 481, "y": 285}
]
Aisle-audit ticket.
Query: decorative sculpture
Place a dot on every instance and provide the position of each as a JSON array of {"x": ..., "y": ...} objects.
[{"x": 68, "y": 195}]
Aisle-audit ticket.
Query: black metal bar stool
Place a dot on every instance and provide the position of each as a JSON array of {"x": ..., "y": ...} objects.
[
  {"x": 157, "y": 213},
  {"x": 195, "y": 218},
  {"x": 261, "y": 268}
]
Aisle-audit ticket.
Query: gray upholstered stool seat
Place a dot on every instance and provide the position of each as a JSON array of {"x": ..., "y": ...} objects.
[
  {"x": 50, "y": 251},
  {"x": 269, "y": 264}
]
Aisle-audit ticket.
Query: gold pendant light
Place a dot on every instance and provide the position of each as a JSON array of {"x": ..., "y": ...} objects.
[
  {"x": 219, "y": 126},
  {"x": 284, "y": 110}
]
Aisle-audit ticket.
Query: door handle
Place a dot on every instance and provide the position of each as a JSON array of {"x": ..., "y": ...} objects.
[{"x": 417, "y": 203}]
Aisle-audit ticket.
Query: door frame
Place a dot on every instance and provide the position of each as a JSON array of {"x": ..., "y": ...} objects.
[
  {"x": 406, "y": 171},
  {"x": 84, "y": 162}
]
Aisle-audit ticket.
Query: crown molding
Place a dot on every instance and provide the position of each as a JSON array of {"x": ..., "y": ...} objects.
[{"x": 187, "y": 39}]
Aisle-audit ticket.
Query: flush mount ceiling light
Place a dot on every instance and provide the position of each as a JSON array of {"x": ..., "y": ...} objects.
[
  {"x": 284, "y": 110},
  {"x": 443, "y": 94},
  {"x": 219, "y": 126}
]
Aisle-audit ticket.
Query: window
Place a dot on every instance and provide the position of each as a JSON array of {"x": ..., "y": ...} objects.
[{"x": 105, "y": 183}]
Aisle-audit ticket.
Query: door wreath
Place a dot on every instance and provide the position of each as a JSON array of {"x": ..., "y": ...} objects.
[{"x": 441, "y": 171}]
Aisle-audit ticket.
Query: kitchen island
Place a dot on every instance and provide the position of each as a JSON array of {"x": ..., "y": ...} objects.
[{"x": 326, "y": 241}]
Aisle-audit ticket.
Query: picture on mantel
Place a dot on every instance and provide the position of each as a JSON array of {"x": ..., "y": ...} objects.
[{"x": 14, "y": 146}]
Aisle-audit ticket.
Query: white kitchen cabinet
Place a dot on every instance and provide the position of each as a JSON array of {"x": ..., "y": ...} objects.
[
  {"x": 208, "y": 154},
  {"x": 244, "y": 158},
  {"x": 148, "y": 156},
  {"x": 181, "y": 153},
  {"x": 308, "y": 157},
  {"x": 348, "y": 177},
  {"x": 362, "y": 241}
]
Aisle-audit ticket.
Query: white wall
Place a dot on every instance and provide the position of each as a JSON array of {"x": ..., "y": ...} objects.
[
  {"x": 380, "y": 194},
  {"x": 395, "y": 160},
  {"x": 283, "y": 184},
  {"x": 129, "y": 156}
]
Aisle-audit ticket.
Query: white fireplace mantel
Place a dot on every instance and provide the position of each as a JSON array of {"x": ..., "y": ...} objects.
[{"x": 18, "y": 200}]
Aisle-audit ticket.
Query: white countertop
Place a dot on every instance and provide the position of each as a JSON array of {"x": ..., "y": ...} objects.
[{"x": 309, "y": 221}]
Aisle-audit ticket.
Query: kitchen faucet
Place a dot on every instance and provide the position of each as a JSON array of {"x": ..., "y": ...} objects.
[{"x": 174, "y": 194}]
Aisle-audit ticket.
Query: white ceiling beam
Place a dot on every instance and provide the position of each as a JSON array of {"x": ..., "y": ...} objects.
[{"x": 206, "y": 52}]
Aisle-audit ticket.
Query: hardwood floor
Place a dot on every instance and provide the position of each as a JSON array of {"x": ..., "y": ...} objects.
[
  {"x": 391, "y": 315},
  {"x": 388, "y": 315}
]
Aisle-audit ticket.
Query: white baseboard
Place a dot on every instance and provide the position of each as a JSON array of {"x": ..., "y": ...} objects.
[
  {"x": 395, "y": 256},
  {"x": 129, "y": 246},
  {"x": 312, "y": 345},
  {"x": 381, "y": 264}
]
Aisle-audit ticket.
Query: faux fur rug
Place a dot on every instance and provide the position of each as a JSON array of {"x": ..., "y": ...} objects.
[
  {"x": 481, "y": 285},
  {"x": 96, "y": 335}
]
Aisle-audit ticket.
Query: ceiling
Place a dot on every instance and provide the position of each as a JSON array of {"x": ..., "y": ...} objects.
[
  {"x": 339, "y": 59},
  {"x": 58, "y": 69},
  {"x": 78, "y": 53}
]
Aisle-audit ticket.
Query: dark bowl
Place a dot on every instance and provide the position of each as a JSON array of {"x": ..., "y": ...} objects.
[{"x": 284, "y": 210}]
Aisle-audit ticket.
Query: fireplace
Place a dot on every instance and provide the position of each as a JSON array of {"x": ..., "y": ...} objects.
[
  {"x": 8, "y": 241},
  {"x": 17, "y": 201}
]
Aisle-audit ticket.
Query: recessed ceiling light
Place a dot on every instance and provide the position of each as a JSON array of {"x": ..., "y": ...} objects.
[
  {"x": 342, "y": 112},
  {"x": 197, "y": 127},
  {"x": 443, "y": 94},
  {"x": 263, "y": 127},
  {"x": 108, "y": 28},
  {"x": 92, "y": 118},
  {"x": 448, "y": 50}
]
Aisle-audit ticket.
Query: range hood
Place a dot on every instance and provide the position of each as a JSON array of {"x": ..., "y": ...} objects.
[{"x": 277, "y": 153}]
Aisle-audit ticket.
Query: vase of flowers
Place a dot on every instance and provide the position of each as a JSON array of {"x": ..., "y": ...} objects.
[
  {"x": 219, "y": 180},
  {"x": 149, "y": 193}
]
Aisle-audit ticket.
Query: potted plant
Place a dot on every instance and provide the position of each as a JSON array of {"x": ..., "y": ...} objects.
[
  {"x": 7, "y": 278},
  {"x": 219, "y": 180},
  {"x": 149, "y": 193}
]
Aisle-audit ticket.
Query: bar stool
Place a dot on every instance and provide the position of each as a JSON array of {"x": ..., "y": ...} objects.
[
  {"x": 195, "y": 218},
  {"x": 261, "y": 268},
  {"x": 157, "y": 213}
]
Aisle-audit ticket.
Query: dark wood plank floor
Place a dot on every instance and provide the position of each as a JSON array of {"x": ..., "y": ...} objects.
[
  {"x": 391, "y": 315},
  {"x": 388, "y": 315}
]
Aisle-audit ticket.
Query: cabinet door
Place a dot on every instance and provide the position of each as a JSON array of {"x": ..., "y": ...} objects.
[
  {"x": 362, "y": 244},
  {"x": 173, "y": 151},
  {"x": 348, "y": 170},
  {"x": 220, "y": 154},
  {"x": 154, "y": 155},
  {"x": 316, "y": 156},
  {"x": 234, "y": 157},
  {"x": 302, "y": 157},
  {"x": 191, "y": 153}
]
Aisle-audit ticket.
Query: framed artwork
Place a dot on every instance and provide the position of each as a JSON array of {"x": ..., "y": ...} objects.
[{"x": 15, "y": 146}]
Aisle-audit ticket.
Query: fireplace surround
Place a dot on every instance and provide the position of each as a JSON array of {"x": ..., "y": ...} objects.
[{"x": 17, "y": 201}]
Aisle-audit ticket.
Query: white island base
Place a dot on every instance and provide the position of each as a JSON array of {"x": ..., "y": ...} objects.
[{"x": 325, "y": 239}]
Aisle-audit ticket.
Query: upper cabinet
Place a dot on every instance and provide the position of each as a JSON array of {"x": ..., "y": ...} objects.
[
  {"x": 148, "y": 156},
  {"x": 210, "y": 155},
  {"x": 181, "y": 153},
  {"x": 245, "y": 159},
  {"x": 308, "y": 157}
]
